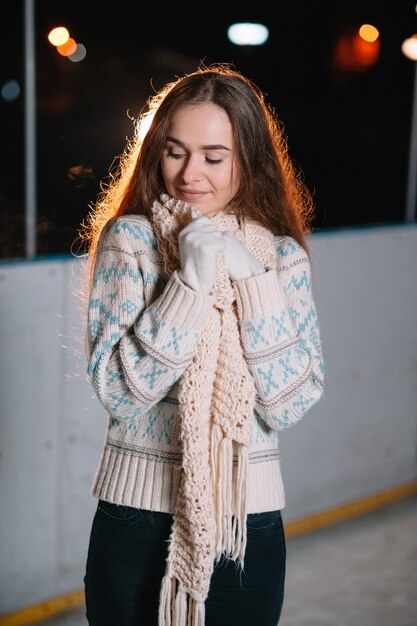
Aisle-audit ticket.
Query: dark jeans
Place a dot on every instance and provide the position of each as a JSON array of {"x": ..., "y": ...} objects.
[{"x": 126, "y": 563}]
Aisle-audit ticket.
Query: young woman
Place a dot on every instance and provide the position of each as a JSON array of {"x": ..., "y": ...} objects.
[{"x": 203, "y": 343}]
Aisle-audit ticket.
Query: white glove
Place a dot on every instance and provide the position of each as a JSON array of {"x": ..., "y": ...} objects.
[
  {"x": 240, "y": 263},
  {"x": 199, "y": 242}
]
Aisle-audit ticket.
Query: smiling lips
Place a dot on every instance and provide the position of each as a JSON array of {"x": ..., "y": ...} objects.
[{"x": 192, "y": 194}]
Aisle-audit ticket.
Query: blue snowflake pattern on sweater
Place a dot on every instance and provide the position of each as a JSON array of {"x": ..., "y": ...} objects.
[{"x": 144, "y": 235}]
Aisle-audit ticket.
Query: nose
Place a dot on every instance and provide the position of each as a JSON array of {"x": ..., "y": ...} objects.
[{"x": 191, "y": 171}]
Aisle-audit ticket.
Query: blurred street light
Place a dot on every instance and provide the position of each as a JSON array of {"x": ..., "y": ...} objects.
[
  {"x": 409, "y": 48},
  {"x": 248, "y": 34},
  {"x": 58, "y": 36}
]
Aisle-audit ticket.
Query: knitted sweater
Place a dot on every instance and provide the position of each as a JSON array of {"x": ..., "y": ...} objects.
[{"x": 142, "y": 333}]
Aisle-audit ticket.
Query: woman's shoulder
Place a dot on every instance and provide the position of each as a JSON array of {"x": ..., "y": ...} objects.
[
  {"x": 132, "y": 225},
  {"x": 132, "y": 231},
  {"x": 288, "y": 248}
]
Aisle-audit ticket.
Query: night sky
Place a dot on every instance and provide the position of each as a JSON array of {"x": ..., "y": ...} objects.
[{"x": 347, "y": 128}]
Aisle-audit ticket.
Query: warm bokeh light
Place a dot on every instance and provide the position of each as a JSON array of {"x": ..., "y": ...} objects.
[
  {"x": 369, "y": 32},
  {"x": 79, "y": 54},
  {"x": 58, "y": 36},
  {"x": 68, "y": 48},
  {"x": 409, "y": 48},
  {"x": 248, "y": 34},
  {"x": 355, "y": 54},
  {"x": 366, "y": 52}
]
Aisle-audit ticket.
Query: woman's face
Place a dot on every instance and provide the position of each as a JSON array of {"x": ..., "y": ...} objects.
[{"x": 199, "y": 162}]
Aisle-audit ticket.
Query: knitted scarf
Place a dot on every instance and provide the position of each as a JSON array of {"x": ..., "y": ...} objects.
[{"x": 216, "y": 404}]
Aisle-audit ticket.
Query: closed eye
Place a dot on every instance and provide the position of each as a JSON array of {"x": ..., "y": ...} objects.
[
  {"x": 214, "y": 161},
  {"x": 180, "y": 155},
  {"x": 176, "y": 155}
]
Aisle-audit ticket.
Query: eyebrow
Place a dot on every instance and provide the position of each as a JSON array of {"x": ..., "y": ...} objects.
[{"x": 216, "y": 146}]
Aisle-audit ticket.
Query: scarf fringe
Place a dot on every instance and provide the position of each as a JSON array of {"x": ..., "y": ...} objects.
[
  {"x": 230, "y": 499},
  {"x": 177, "y": 607}
]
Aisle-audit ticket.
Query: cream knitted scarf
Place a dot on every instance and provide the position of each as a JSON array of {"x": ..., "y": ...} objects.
[{"x": 216, "y": 404}]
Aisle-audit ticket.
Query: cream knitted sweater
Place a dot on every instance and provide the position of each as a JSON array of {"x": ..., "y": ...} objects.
[{"x": 142, "y": 333}]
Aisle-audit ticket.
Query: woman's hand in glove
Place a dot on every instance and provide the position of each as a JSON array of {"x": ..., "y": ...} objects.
[
  {"x": 199, "y": 242},
  {"x": 240, "y": 263}
]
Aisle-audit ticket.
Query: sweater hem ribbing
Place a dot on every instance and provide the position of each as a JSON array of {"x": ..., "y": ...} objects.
[{"x": 145, "y": 483}]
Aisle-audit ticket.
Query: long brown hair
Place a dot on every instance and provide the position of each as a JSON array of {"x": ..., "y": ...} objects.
[{"x": 271, "y": 190}]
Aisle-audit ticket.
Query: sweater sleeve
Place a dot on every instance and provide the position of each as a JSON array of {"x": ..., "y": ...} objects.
[
  {"x": 281, "y": 336},
  {"x": 137, "y": 353}
]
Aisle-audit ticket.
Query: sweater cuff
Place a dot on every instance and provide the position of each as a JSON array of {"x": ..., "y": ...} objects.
[
  {"x": 259, "y": 296},
  {"x": 182, "y": 305}
]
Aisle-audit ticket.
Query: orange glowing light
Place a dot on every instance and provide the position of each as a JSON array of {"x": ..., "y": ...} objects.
[
  {"x": 67, "y": 48},
  {"x": 367, "y": 52},
  {"x": 368, "y": 33},
  {"x": 354, "y": 54},
  {"x": 58, "y": 36}
]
